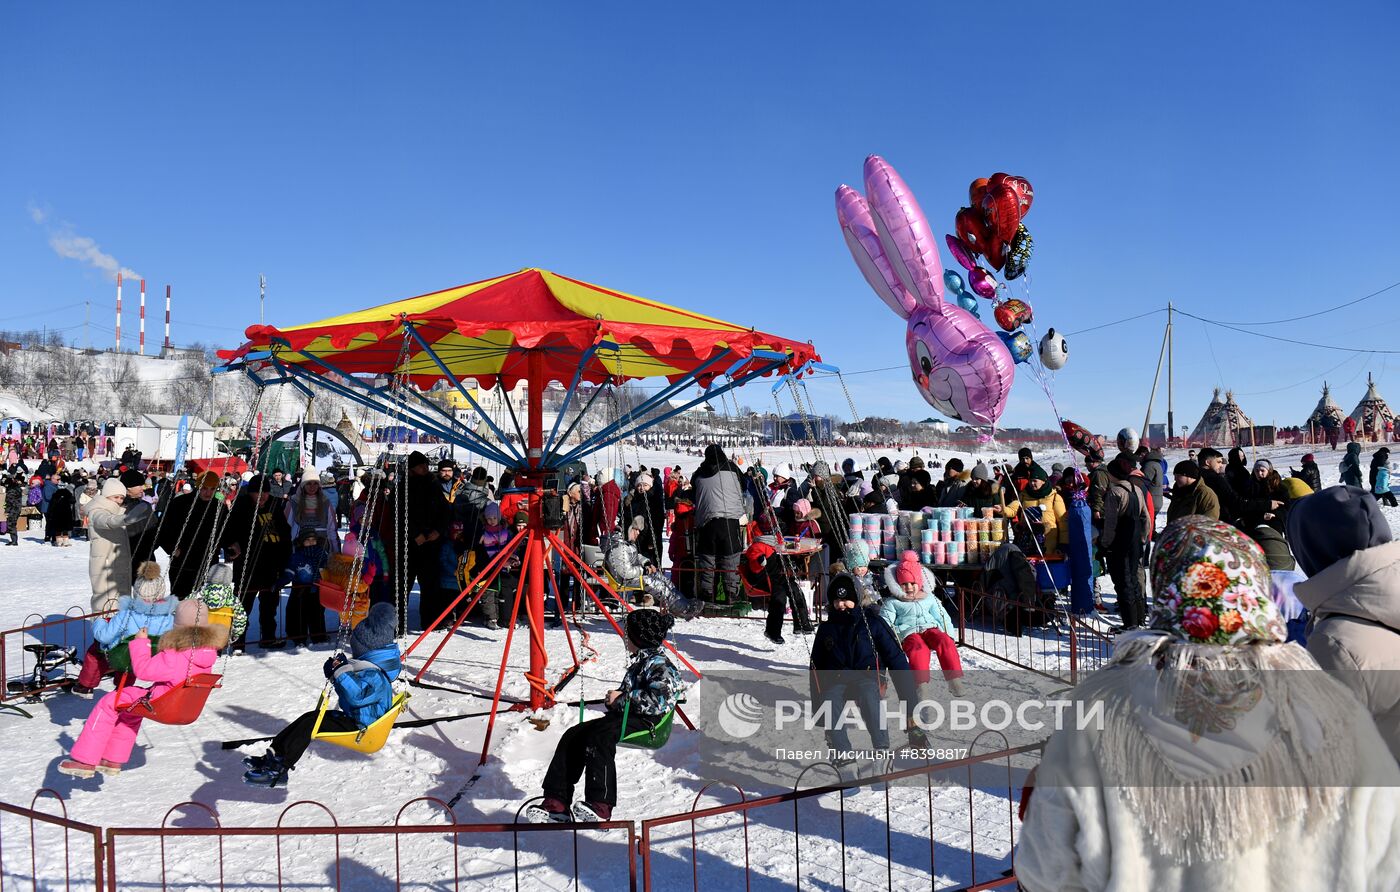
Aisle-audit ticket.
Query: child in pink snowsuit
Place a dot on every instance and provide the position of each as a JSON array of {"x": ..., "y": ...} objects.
[
  {"x": 922, "y": 626},
  {"x": 188, "y": 649}
]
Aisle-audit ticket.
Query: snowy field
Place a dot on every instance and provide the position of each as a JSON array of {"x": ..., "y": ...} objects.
[{"x": 263, "y": 690}]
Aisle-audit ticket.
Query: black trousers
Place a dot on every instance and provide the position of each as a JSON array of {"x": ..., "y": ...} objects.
[
  {"x": 1126, "y": 570},
  {"x": 588, "y": 750},
  {"x": 785, "y": 590},
  {"x": 267, "y": 600},
  {"x": 424, "y": 564},
  {"x": 717, "y": 544},
  {"x": 306, "y": 618},
  {"x": 291, "y": 742}
]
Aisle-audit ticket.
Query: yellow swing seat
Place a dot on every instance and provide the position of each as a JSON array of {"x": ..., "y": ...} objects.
[{"x": 370, "y": 739}]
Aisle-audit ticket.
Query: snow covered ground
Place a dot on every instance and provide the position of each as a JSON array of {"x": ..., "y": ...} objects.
[{"x": 263, "y": 690}]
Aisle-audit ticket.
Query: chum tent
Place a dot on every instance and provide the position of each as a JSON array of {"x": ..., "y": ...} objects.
[
  {"x": 1325, "y": 422},
  {"x": 1374, "y": 420},
  {"x": 1221, "y": 423}
]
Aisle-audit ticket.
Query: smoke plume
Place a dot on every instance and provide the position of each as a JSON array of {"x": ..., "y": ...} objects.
[{"x": 66, "y": 242}]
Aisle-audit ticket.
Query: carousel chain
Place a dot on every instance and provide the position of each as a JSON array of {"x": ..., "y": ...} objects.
[{"x": 856, "y": 419}]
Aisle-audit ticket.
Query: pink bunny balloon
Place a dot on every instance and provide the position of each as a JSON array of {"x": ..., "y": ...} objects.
[
  {"x": 859, "y": 229},
  {"x": 909, "y": 242},
  {"x": 962, "y": 369},
  {"x": 959, "y": 366}
]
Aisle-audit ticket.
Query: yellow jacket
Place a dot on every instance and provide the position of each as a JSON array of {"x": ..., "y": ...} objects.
[{"x": 1052, "y": 514}]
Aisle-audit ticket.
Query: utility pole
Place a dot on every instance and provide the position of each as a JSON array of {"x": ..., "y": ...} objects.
[
  {"x": 1171, "y": 415},
  {"x": 262, "y": 296},
  {"x": 1166, "y": 336},
  {"x": 87, "y": 315}
]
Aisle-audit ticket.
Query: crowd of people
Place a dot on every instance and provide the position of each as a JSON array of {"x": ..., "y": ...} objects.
[{"x": 1319, "y": 570}]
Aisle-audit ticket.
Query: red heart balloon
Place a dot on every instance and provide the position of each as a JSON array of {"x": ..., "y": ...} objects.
[
  {"x": 1002, "y": 208},
  {"x": 976, "y": 191},
  {"x": 1025, "y": 193},
  {"x": 972, "y": 229},
  {"x": 996, "y": 250}
]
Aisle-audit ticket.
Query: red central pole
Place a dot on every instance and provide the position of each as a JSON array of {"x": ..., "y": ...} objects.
[{"x": 534, "y": 547}]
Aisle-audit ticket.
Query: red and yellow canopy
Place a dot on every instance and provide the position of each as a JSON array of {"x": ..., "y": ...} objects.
[{"x": 485, "y": 329}]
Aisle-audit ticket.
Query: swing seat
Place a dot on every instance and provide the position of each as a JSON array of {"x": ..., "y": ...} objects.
[
  {"x": 332, "y": 597},
  {"x": 367, "y": 740},
  {"x": 653, "y": 738},
  {"x": 178, "y": 705}
]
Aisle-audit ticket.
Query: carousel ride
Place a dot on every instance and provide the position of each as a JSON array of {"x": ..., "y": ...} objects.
[{"x": 538, "y": 328}]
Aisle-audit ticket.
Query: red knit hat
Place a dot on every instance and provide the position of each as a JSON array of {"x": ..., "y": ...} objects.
[{"x": 908, "y": 569}]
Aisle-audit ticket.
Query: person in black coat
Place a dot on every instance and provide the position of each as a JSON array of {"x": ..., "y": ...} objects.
[
  {"x": 1234, "y": 503},
  {"x": 61, "y": 516},
  {"x": 853, "y": 645},
  {"x": 14, "y": 504},
  {"x": 259, "y": 541},
  {"x": 641, "y": 504},
  {"x": 1311, "y": 474},
  {"x": 1237, "y": 470},
  {"x": 429, "y": 523},
  {"x": 187, "y": 533}
]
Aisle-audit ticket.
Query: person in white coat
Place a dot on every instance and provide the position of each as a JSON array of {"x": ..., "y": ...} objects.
[
  {"x": 113, "y": 521},
  {"x": 1342, "y": 541},
  {"x": 1209, "y": 768}
]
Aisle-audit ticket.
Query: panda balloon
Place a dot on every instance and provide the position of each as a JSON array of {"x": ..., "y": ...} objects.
[{"x": 1054, "y": 350}]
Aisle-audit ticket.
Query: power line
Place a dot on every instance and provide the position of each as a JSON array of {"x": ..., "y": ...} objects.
[
  {"x": 1349, "y": 303},
  {"x": 1220, "y": 375},
  {"x": 1259, "y": 334},
  {"x": 1070, "y": 334},
  {"x": 1351, "y": 358}
]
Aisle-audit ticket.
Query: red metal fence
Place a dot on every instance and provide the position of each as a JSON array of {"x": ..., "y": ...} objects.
[
  {"x": 38, "y": 848},
  {"x": 191, "y": 848},
  {"x": 890, "y": 832},
  {"x": 933, "y": 826},
  {"x": 1044, "y": 639}
]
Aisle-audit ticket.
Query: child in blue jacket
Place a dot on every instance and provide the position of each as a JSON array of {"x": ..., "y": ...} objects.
[
  {"x": 306, "y": 618},
  {"x": 149, "y": 607},
  {"x": 364, "y": 690},
  {"x": 1382, "y": 487},
  {"x": 923, "y": 627}
]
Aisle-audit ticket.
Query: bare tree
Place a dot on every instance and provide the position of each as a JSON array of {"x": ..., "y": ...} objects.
[{"x": 39, "y": 377}]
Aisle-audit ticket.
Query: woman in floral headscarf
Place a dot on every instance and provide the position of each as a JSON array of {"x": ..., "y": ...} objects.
[{"x": 1210, "y": 768}]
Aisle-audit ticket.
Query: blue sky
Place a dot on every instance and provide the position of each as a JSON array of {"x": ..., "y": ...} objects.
[{"x": 1238, "y": 162}]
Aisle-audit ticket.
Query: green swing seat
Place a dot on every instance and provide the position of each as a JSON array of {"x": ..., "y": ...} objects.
[{"x": 653, "y": 738}]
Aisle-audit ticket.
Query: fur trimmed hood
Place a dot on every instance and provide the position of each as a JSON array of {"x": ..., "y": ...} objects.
[{"x": 191, "y": 637}]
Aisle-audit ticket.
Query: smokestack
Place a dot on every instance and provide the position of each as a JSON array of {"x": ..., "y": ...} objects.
[
  {"x": 142, "y": 349},
  {"x": 119, "y": 312},
  {"x": 167, "y": 319}
]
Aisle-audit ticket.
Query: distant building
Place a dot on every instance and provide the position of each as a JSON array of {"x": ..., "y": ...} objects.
[
  {"x": 796, "y": 427},
  {"x": 938, "y": 427}
]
